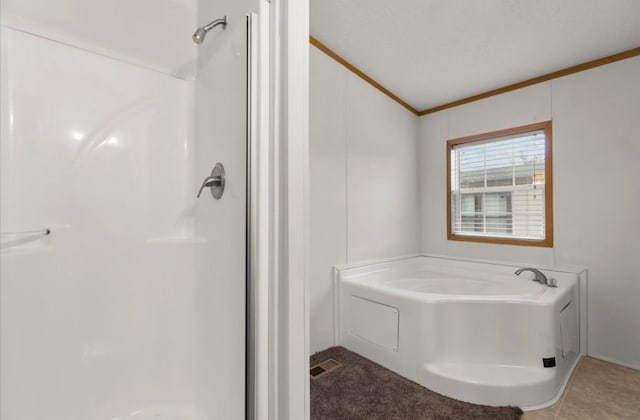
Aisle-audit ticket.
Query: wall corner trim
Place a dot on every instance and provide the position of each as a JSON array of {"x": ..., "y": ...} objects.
[
  {"x": 319, "y": 45},
  {"x": 535, "y": 80}
]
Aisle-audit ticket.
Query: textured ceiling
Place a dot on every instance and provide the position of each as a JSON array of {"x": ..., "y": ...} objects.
[{"x": 431, "y": 52}]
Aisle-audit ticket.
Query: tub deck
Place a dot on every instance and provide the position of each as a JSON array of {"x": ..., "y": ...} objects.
[{"x": 438, "y": 285}]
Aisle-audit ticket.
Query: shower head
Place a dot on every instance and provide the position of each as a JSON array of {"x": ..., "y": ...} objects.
[
  {"x": 201, "y": 32},
  {"x": 199, "y": 35}
]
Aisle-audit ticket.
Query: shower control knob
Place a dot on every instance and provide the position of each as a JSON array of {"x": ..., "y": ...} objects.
[{"x": 215, "y": 182}]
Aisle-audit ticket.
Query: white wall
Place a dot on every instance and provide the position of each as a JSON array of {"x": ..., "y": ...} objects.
[
  {"x": 364, "y": 181},
  {"x": 328, "y": 190},
  {"x": 595, "y": 144}
]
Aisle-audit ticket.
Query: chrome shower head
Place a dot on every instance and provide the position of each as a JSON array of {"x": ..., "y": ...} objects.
[
  {"x": 201, "y": 32},
  {"x": 199, "y": 35}
]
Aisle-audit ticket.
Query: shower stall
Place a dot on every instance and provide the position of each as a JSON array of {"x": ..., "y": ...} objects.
[{"x": 122, "y": 294}]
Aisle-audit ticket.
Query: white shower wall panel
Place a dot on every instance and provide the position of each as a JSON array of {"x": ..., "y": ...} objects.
[
  {"x": 221, "y": 136},
  {"x": 151, "y": 33},
  {"x": 88, "y": 135},
  {"x": 97, "y": 320}
]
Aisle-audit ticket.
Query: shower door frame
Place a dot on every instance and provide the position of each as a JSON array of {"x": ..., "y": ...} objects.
[
  {"x": 277, "y": 386},
  {"x": 289, "y": 314},
  {"x": 259, "y": 169}
]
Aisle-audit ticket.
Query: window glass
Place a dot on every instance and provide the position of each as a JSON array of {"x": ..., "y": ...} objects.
[{"x": 498, "y": 186}]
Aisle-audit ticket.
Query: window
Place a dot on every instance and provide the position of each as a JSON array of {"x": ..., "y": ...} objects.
[{"x": 499, "y": 187}]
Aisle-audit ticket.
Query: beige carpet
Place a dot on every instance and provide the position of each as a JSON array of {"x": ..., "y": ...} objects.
[{"x": 362, "y": 389}]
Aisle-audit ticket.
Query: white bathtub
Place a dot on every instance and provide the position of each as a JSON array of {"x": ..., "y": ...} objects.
[{"x": 469, "y": 330}]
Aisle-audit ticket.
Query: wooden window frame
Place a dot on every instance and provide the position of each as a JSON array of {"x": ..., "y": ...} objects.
[{"x": 547, "y": 242}]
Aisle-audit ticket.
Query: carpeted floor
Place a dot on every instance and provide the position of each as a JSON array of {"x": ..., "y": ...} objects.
[{"x": 362, "y": 389}]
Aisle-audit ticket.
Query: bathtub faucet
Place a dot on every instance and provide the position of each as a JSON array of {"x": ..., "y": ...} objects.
[{"x": 539, "y": 275}]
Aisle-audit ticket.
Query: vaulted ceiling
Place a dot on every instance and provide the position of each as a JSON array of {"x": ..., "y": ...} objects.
[{"x": 431, "y": 52}]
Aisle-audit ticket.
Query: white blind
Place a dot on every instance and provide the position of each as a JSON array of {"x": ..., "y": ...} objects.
[{"x": 498, "y": 187}]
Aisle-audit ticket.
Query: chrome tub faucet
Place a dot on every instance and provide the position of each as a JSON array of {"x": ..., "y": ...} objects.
[{"x": 538, "y": 276}]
